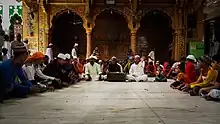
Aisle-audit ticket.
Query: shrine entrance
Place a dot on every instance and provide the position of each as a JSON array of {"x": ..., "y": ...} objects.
[
  {"x": 67, "y": 29},
  {"x": 155, "y": 33},
  {"x": 111, "y": 34}
]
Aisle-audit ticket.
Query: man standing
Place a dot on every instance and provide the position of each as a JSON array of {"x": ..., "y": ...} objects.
[
  {"x": 151, "y": 57},
  {"x": 75, "y": 50},
  {"x": 49, "y": 52}
]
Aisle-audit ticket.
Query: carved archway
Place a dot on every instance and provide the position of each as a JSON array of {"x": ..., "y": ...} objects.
[
  {"x": 67, "y": 29},
  {"x": 57, "y": 10},
  {"x": 155, "y": 33},
  {"x": 111, "y": 32},
  {"x": 125, "y": 12},
  {"x": 163, "y": 12}
]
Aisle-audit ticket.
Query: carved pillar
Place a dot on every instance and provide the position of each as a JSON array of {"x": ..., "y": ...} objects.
[
  {"x": 200, "y": 24},
  {"x": 133, "y": 40},
  {"x": 88, "y": 42}
]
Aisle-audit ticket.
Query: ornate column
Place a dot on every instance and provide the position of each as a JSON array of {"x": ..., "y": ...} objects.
[
  {"x": 88, "y": 42},
  {"x": 133, "y": 40},
  {"x": 200, "y": 24}
]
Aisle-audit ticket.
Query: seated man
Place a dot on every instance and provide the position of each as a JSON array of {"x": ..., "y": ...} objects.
[
  {"x": 136, "y": 72},
  {"x": 12, "y": 79},
  {"x": 214, "y": 85},
  {"x": 160, "y": 77},
  {"x": 114, "y": 66},
  {"x": 92, "y": 69},
  {"x": 55, "y": 69},
  {"x": 33, "y": 71},
  {"x": 151, "y": 70}
]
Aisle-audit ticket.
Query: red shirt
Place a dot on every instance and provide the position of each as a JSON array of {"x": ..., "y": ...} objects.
[{"x": 190, "y": 73}]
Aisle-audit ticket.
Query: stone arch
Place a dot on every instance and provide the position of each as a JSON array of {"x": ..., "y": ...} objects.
[
  {"x": 59, "y": 10},
  {"x": 161, "y": 11},
  {"x": 117, "y": 10}
]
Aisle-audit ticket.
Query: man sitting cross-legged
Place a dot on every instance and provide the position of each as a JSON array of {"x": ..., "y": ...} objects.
[
  {"x": 92, "y": 69},
  {"x": 136, "y": 72}
]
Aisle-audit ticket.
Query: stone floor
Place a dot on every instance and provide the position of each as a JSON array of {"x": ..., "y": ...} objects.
[{"x": 111, "y": 103}]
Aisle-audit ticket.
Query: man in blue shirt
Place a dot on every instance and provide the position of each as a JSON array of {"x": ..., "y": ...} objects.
[{"x": 12, "y": 79}]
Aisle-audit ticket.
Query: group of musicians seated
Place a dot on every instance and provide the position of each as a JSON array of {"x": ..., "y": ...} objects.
[{"x": 25, "y": 74}]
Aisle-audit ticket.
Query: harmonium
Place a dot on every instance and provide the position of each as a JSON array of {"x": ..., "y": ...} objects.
[{"x": 116, "y": 77}]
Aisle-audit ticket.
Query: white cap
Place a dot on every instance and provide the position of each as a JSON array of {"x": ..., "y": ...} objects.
[
  {"x": 61, "y": 56},
  {"x": 50, "y": 44},
  {"x": 74, "y": 57},
  {"x": 93, "y": 57},
  {"x": 113, "y": 57},
  {"x": 67, "y": 56},
  {"x": 191, "y": 57},
  {"x": 137, "y": 56},
  {"x": 76, "y": 44},
  {"x": 100, "y": 61},
  {"x": 161, "y": 66}
]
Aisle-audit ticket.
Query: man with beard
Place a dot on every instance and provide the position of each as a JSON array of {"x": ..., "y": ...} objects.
[
  {"x": 12, "y": 79},
  {"x": 114, "y": 66},
  {"x": 92, "y": 69},
  {"x": 136, "y": 72}
]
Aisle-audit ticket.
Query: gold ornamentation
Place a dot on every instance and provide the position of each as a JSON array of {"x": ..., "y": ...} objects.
[{"x": 57, "y": 10}]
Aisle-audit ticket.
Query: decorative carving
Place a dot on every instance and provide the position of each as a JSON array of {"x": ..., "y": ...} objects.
[
  {"x": 182, "y": 46},
  {"x": 166, "y": 12},
  {"x": 57, "y": 10},
  {"x": 125, "y": 11}
]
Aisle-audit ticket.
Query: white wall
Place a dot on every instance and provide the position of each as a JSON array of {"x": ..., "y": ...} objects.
[{"x": 6, "y": 3}]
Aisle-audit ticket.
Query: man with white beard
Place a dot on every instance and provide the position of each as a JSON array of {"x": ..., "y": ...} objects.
[
  {"x": 136, "y": 72},
  {"x": 92, "y": 70}
]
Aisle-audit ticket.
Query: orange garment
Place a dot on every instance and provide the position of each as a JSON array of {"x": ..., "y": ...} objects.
[{"x": 78, "y": 67}]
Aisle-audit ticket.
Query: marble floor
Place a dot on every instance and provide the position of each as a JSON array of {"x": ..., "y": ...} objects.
[{"x": 111, "y": 103}]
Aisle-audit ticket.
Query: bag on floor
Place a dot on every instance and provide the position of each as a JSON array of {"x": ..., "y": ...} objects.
[{"x": 116, "y": 77}]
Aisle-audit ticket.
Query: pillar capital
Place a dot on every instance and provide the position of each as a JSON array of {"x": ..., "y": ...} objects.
[
  {"x": 88, "y": 30},
  {"x": 133, "y": 31}
]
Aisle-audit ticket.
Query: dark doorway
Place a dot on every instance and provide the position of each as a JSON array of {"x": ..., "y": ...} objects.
[
  {"x": 67, "y": 29},
  {"x": 111, "y": 34},
  {"x": 155, "y": 33}
]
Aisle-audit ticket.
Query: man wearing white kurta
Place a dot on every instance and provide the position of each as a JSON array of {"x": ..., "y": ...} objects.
[
  {"x": 75, "y": 50},
  {"x": 151, "y": 57},
  {"x": 136, "y": 72},
  {"x": 49, "y": 52},
  {"x": 92, "y": 69}
]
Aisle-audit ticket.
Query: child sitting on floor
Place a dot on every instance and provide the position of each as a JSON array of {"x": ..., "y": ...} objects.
[{"x": 160, "y": 76}]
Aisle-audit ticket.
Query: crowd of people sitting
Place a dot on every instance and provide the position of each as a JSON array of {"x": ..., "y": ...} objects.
[
  {"x": 198, "y": 77},
  {"x": 24, "y": 74}
]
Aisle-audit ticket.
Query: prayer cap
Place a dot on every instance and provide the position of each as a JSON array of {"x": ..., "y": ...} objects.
[
  {"x": 74, "y": 57},
  {"x": 113, "y": 57},
  {"x": 76, "y": 44},
  {"x": 50, "y": 44},
  {"x": 61, "y": 56},
  {"x": 18, "y": 46},
  {"x": 137, "y": 56},
  {"x": 161, "y": 66},
  {"x": 191, "y": 57},
  {"x": 93, "y": 57},
  {"x": 67, "y": 56}
]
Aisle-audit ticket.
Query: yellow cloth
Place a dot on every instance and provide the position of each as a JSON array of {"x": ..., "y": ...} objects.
[{"x": 211, "y": 77}]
